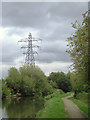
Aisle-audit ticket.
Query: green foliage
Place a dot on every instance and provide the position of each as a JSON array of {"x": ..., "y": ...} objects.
[
  {"x": 0, "y": 88},
  {"x": 78, "y": 50},
  {"x": 13, "y": 80},
  {"x": 59, "y": 91},
  {"x": 5, "y": 91},
  {"x": 53, "y": 84},
  {"x": 83, "y": 96},
  {"x": 28, "y": 80},
  {"x": 82, "y": 105},
  {"x": 53, "y": 108},
  {"x": 34, "y": 80},
  {"x": 78, "y": 45},
  {"x": 61, "y": 80},
  {"x": 25, "y": 107},
  {"x": 54, "y": 94},
  {"x": 27, "y": 87},
  {"x": 78, "y": 83}
]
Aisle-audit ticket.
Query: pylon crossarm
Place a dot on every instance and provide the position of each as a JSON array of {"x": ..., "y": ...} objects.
[
  {"x": 37, "y": 39},
  {"x": 29, "y": 58},
  {"x": 36, "y": 46},
  {"x": 24, "y": 47},
  {"x": 23, "y": 40}
]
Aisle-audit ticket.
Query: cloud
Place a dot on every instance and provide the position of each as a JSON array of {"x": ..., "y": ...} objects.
[
  {"x": 54, "y": 67},
  {"x": 39, "y": 14},
  {"x": 10, "y": 46},
  {"x": 53, "y": 51},
  {"x": 50, "y": 21},
  {"x": 24, "y": 14},
  {"x": 63, "y": 10}
]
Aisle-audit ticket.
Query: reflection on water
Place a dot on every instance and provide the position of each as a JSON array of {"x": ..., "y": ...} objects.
[
  {"x": 21, "y": 108},
  {"x": 0, "y": 108}
]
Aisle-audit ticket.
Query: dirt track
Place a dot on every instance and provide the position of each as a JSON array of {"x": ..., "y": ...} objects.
[{"x": 72, "y": 110}]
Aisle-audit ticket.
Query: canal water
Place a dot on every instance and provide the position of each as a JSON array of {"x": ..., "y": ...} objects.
[{"x": 21, "y": 107}]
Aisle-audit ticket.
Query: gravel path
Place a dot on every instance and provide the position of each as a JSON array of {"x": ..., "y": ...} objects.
[{"x": 72, "y": 110}]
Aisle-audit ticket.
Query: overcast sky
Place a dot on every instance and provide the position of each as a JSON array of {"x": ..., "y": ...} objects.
[{"x": 50, "y": 21}]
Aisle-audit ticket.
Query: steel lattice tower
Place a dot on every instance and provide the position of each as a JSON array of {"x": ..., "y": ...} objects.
[{"x": 29, "y": 59}]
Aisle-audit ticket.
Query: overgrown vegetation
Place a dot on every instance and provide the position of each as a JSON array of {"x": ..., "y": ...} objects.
[
  {"x": 31, "y": 81},
  {"x": 54, "y": 106},
  {"x": 78, "y": 50},
  {"x": 0, "y": 89},
  {"x": 60, "y": 80},
  {"x": 28, "y": 80},
  {"x": 82, "y": 101},
  {"x": 5, "y": 91}
]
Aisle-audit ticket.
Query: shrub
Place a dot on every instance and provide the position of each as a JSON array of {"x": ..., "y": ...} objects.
[
  {"x": 0, "y": 88},
  {"x": 14, "y": 79},
  {"x": 28, "y": 80},
  {"x": 5, "y": 91},
  {"x": 53, "y": 84},
  {"x": 59, "y": 91},
  {"x": 61, "y": 80},
  {"x": 55, "y": 93},
  {"x": 83, "y": 96}
]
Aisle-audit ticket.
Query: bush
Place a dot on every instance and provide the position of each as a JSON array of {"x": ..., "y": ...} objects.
[
  {"x": 59, "y": 91},
  {"x": 29, "y": 80},
  {"x": 78, "y": 83},
  {"x": 55, "y": 93},
  {"x": 5, "y": 91},
  {"x": 0, "y": 88},
  {"x": 61, "y": 80},
  {"x": 13, "y": 80},
  {"x": 83, "y": 96},
  {"x": 34, "y": 82},
  {"x": 53, "y": 84},
  {"x": 27, "y": 87}
]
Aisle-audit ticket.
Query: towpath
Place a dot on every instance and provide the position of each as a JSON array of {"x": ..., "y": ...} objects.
[{"x": 72, "y": 110}]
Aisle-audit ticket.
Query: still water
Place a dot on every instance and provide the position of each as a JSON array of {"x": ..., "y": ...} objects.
[{"x": 21, "y": 107}]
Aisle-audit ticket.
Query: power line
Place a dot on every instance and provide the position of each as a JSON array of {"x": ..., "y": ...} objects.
[{"x": 29, "y": 53}]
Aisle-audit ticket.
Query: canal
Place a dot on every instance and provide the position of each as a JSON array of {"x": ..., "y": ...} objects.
[{"x": 25, "y": 107}]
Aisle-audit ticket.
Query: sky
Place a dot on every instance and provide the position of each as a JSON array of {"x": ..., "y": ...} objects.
[{"x": 50, "y": 21}]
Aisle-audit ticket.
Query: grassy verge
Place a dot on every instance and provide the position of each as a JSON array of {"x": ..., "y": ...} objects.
[
  {"x": 83, "y": 106},
  {"x": 54, "y": 107}
]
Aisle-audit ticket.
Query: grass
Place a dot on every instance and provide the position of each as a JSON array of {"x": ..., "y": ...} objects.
[
  {"x": 54, "y": 107},
  {"x": 83, "y": 96},
  {"x": 82, "y": 105},
  {"x": 65, "y": 94}
]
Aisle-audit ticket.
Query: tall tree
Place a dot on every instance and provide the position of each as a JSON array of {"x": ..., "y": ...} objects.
[
  {"x": 61, "y": 80},
  {"x": 78, "y": 50},
  {"x": 13, "y": 80},
  {"x": 78, "y": 45}
]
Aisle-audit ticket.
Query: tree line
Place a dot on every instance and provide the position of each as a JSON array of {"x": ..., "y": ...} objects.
[
  {"x": 78, "y": 48},
  {"x": 30, "y": 80}
]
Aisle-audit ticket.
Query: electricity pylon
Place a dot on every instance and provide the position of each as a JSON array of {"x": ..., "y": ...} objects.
[{"x": 29, "y": 58}]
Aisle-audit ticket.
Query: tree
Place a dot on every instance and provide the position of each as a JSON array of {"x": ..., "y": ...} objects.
[
  {"x": 78, "y": 45},
  {"x": 53, "y": 84},
  {"x": 14, "y": 79},
  {"x": 78, "y": 50},
  {"x": 0, "y": 93},
  {"x": 28, "y": 80},
  {"x": 61, "y": 80},
  {"x": 34, "y": 80},
  {"x": 5, "y": 91},
  {"x": 27, "y": 86}
]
